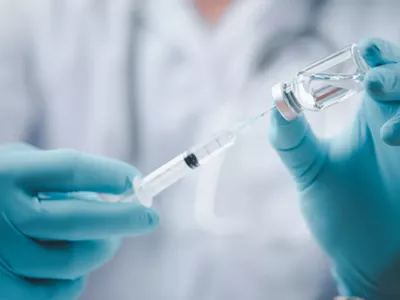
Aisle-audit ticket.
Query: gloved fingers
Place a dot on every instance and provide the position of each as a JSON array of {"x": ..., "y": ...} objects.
[
  {"x": 301, "y": 152},
  {"x": 12, "y": 287},
  {"x": 34, "y": 259},
  {"x": 68, "y": 171},
  {"x": 378, "y": 52},
  {"x": 383, "y": 83},
  {"x": 65, "y": 260},
  {"x": 17, "y": 147},
  {"x": 85, "y": 196},
  {"x": 74, "y": 220},
  {"x": 390, "y": 131}
]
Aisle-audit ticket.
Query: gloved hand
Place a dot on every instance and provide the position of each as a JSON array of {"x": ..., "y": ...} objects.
[
  {"x": 350, "y": 186},
  {"x": 48, "y": 246}
]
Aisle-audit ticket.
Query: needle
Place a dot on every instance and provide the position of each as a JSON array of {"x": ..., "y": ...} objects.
[{"x": 239, "y": 128}]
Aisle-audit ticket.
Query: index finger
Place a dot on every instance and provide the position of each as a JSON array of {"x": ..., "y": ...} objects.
[
  {"x": 69, "y": 171},
  {"x": 74, "y": 220},
  {"x": 377, "y": 52}
]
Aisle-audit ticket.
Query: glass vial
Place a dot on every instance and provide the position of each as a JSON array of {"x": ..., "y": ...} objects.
[{"x": 322, "y": 84}]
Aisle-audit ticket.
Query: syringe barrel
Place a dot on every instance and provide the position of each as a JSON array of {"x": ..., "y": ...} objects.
[
  {"x": 214, "y": 146},
  {"x": 160, "y": 179},
  {"x": 181, "y": 166}
]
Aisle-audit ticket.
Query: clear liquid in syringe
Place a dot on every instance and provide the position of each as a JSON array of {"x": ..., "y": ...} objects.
[{"x": 185, "y": 163}]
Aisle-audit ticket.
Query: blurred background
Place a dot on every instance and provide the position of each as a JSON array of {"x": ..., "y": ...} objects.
[{"x": 143, "y": 80}]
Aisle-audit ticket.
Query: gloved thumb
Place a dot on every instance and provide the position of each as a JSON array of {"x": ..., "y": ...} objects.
[{"x": 298, "y": 147}]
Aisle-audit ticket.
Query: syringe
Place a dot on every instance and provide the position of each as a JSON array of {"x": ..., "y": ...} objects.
[{"x": 185, "y": 163}]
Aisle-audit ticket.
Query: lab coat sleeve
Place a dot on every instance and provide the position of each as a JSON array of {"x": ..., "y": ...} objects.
[{"x": 17, "y": 110}]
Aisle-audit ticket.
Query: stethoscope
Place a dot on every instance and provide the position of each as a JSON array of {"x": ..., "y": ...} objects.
[{"x": 270, "y": 52}]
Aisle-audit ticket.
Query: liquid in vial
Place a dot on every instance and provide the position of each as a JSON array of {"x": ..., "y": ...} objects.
[{"x": 322, "y": 84}]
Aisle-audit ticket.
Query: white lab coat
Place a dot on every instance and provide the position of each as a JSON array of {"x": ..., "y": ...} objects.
[{"x": 63, "y": 84}]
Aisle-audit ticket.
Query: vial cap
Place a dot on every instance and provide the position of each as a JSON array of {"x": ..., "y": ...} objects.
[{"x": 281, "y": 102}]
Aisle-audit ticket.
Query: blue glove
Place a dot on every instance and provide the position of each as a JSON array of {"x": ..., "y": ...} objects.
[
  {"x": 48, "y": 246},
  {"x": 350, "y": 186}
]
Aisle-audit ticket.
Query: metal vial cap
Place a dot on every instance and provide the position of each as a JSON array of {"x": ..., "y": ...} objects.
[{"x": 282, "y": 102}]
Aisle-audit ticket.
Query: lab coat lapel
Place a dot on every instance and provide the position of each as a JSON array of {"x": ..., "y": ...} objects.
[
  {"x": 109, "y": 99},
  {"x": 84, "y": 70}
]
